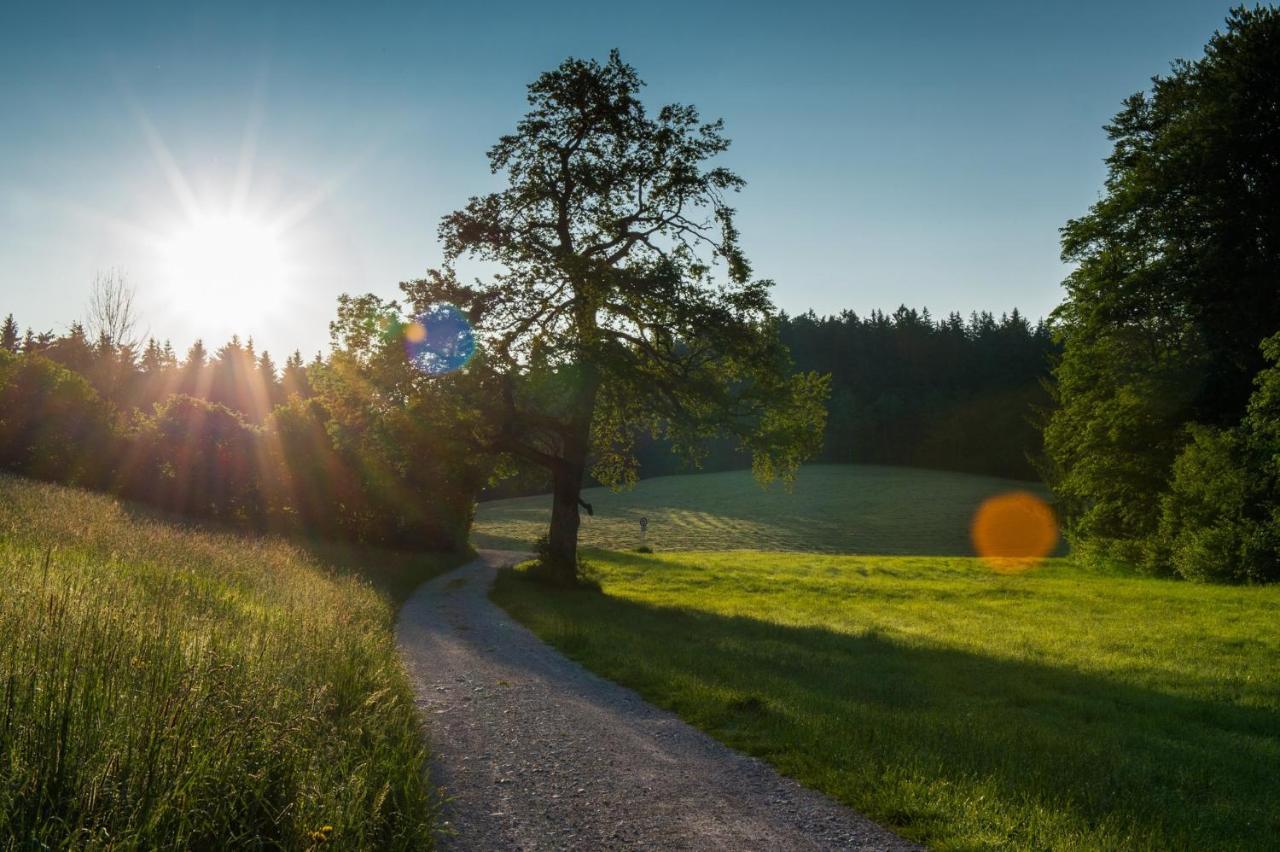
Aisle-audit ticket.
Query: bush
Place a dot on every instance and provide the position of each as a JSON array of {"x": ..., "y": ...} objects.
[
  {"x": 1220, "y": 520},
  {"x": 196, "y": 458},
  {"x": 53, "y": 424}
]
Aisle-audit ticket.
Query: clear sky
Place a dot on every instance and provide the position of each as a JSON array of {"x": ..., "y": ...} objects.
[{"x": 924, "y": 153}]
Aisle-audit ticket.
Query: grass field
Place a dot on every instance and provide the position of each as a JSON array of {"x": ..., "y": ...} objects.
[
  {"x": 968, "y": 709},
  {"x": 832, "y": 509},
  {"x": 168, "y": 686}
]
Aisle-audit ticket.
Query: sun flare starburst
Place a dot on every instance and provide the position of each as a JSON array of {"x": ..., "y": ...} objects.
[{"x": 226, "y": 263}]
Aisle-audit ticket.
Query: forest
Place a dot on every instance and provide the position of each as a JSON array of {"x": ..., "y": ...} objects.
[
  {"x": 227, "y": 434},
  {"x": 950, "y": 394}
]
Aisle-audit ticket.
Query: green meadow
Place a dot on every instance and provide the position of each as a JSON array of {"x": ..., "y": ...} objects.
[
  {"x": 830, "y": 508},
  {"x": 1057, "y": 708},
  {"x": 167, "y": 685}
]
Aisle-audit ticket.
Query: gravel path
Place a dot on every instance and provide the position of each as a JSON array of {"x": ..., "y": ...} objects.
[{"x": 535, "y": 752}]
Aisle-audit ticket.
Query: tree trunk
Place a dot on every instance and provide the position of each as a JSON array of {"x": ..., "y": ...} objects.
[
  {"x": 561, "y": 559},
  {"x": 562, "y": 538}
]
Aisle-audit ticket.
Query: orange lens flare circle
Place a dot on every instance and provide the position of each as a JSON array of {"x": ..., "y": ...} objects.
[{"x": 1014, "y": 532}]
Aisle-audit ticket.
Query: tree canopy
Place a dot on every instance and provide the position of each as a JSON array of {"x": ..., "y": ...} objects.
[
  {"x": 622, "y": 301},
  {"x": 1177, "y": 284}
]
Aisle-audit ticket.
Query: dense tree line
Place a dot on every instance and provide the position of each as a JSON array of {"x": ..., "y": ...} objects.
[
  {"x": 334, "y": 448},
  {"x": 909, "y": 390},
  {"x": 1164, "y": 449},
  {"x": 906, "y": 389}
]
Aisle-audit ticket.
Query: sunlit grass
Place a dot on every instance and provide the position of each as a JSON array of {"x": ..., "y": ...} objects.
[
  {"x": 833, "y": 509},
  {"x": 167, "y": 686},
  {"x": 968, "y": 709}
]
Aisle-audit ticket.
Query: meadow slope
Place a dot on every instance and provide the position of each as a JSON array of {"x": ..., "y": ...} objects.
[
  {"x": 169, "y": 685},
  {"x": 831, "y": 509},
  {"x": 1057, "y": 708}
]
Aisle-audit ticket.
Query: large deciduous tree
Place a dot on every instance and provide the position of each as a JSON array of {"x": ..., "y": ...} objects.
[
  {"x": 1176, "y": 286},
  {"x": 620, "y": 299}
]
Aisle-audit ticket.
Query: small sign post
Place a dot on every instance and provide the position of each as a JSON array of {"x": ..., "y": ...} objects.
[{"x": 644, "y": 527}]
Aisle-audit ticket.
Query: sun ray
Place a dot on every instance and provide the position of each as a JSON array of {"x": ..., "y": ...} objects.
[
  {"x": 249, "y": 143},
  {"x": 173, "y": 175}
]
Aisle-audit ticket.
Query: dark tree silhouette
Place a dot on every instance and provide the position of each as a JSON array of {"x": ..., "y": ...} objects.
[{"x": 624, "y": 302}]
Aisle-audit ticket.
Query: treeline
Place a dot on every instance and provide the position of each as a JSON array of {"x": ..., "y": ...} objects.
[
  {"x": 334, "y": 448},
  {"x": 906, "y": 389},
  {"x": 1164, "y": 449},
  {"x": 953, "y": 394}
]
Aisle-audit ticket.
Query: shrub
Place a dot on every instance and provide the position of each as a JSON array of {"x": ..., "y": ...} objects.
[
  {"x": 53, "y": 424},
  {"x": 1221, "y": 515},
  {"x": 196, "y": 458}
]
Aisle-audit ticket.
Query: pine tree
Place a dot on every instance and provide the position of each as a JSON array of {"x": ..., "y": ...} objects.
[
  {"x": 9, "y": 335},
  {"x": 152, "y": 357},
  {"x": 72, "y": 350},
  {"x": 197, "y": 356},
  {"x": 293, "y": 380}
]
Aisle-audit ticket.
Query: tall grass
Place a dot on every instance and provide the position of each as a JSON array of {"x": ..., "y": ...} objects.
[{"x": 166, "y": 685}]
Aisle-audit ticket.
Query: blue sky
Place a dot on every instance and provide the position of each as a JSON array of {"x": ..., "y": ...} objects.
[{"x": 920, "y": 153}]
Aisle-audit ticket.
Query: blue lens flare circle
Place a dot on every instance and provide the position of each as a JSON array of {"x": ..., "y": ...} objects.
[{"x": 439, "y": 340}]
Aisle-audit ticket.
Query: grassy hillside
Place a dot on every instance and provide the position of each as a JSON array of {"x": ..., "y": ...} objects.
[
  {"x": 163, "y": 685},
  {"x": 1054, "y": 709},
  {"x": 832, "y": 509}
]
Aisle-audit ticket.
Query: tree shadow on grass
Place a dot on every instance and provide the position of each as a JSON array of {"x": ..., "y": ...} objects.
[{"x": 950, "y": 747}]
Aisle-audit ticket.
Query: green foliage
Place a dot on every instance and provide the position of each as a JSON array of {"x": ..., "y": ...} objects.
[
  {"x": 53, "y": 425},
  {"x": 167, "y": 687},
  {"x": 1057, "y": 709},
  {"x": 623, "y": 304},
  {"x": 950, "y": 394},
  {"x": 358, "y": 451},
  {"x": 1174, "y": 288},
  {"x": 197, "y": 458},
  {"x": 1221, "y": 516}
]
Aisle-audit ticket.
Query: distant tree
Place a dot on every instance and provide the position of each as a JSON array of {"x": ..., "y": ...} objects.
[
  {"x": 197, "y": 357},
  {"x": 268, "y": 381},
  {"x": 624, "y": 305},
  {"x": 34, "y": 344},
  {"x": 73, "y": 350},
  {"x": 1175, "y": 287},
  {"x": 9, "y": 339},
  {"x": 112, "y": 314},
  {"x": 293, "y": 379},
  {"x": 152, "y": 360}
]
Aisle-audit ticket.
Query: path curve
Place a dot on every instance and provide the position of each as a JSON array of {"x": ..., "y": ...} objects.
[{"x": 536, "y": 752}]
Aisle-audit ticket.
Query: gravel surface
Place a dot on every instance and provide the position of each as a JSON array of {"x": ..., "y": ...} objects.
[{"x": 535, "y": 752}]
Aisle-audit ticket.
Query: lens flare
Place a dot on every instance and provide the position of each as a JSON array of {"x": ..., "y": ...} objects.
[
  {"x": 1014, "y": 532},
  {"x": 439, "y": 340}
]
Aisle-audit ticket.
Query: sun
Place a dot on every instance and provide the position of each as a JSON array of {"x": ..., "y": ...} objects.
[{"x": 226, "y": 267}]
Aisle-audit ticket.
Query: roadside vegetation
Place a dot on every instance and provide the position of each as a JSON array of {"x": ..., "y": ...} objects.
[
  {"x": 169, "y": 685},
  {"x": 1055, "y": 709}
]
